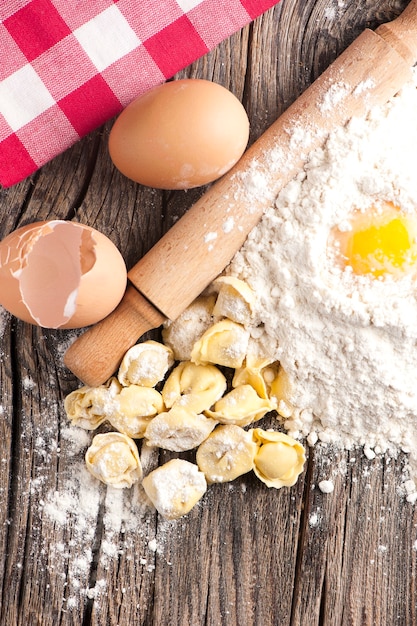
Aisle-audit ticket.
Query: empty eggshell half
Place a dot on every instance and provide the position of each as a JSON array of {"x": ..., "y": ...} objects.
[{"x": 60, "y": 274}]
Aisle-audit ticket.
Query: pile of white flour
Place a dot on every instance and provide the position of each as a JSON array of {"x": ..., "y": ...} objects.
[{"x": 348, "y": 343}]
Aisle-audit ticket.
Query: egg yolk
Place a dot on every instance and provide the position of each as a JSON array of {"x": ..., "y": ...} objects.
[{"x": 380, "y": 242}]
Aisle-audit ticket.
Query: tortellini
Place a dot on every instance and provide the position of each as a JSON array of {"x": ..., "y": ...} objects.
[
  {"x": 88, "y": 407},
  {"x": 225, "y": 343},
  {"x": 181, "y": 334},
  {"x": 113, "y": 458},
  {"x": 145, "y": 364},
  {"x": 197, "y": 387},
  {"x": 178, "y": 429},
  {"x": 258, "y": 372},
  {"x": 175, "y": 396},
  {"x": 235, "y": 299},
  {"x": 134, "y": 407},
  {"x": 241, "y": 406},
  {"x": 279, "y": 459},
  {"x": 175, "y": 487},
  {"x": 226, "y": 454}
]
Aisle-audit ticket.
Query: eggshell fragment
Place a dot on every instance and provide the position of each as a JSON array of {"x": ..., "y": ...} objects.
[
  {"x": 181, "y": 134},
  {"x": 60, "y": 274}
]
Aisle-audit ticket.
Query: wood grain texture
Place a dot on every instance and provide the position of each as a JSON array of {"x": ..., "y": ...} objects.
[{"x": 247, "y": 555}]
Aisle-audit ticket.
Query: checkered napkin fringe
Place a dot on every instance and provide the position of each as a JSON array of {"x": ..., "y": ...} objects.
[{"x": 67, "y": 66}]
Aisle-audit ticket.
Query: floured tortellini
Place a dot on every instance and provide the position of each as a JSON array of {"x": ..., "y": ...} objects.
[
  {"x": 225, "y": 343},
  {"x": 178, "y": 429},
  {"x": 134, "y": 407},
  {"x": 145, "y": 364},
  {"x": 88, "y": 407},
  {"x": 113, "y": 458},
  {"x": 196, "y": 387},
  {"x": 279, "y": 459},
  {"x": 258, "y": 372},
  {"x": 240, "y": 406},
  {"x": 175, "y": 487},
  {"x": 182, "y": 333},
  {"x": 226, "y": 454},
  {"x": 235, "y": 300}
]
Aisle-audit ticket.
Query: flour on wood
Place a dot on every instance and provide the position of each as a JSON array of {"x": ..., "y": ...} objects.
[{"x": 78, "y": 504}]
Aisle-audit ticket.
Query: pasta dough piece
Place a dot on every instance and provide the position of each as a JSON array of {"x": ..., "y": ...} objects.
[
  {"x": 281, "y": 386},
  {"x": 179, "y": 429},
  {"x": 134, "y": 407},
  {"x": 279, "y": 460},
  {"x": 196, "y": 387},
  {"x": 281, "y": 390},
  {"x": 241, "y": 406},
  {"x": 113, "y": 458},
  {"x": 235, "y": 300},
  {"x": 145, "y": 364},
  {"x": 181, "y": 334},
  {"x": 88, "y": 407},
  {"x": 257, "y": 372},
  {"x": 175, "y": 487},
  {"x": 225, "y": 343},
  {"x": 226, "y": 454}
]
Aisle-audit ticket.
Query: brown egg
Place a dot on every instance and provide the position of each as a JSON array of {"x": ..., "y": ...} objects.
[
  {"x": 60, "y": 274},
  {"x": 181, "y": 134}
]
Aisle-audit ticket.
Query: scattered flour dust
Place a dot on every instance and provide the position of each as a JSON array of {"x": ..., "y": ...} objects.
[
  {"x": 119, "y": 517},
  {"x": 346, "y": 342}
]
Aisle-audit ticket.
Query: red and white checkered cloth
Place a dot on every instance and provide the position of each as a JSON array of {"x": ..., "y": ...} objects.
[{"x": 67, "y": 66}]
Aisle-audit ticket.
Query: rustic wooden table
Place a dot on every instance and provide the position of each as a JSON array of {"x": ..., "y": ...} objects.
[{"x": 74, "y": 553}]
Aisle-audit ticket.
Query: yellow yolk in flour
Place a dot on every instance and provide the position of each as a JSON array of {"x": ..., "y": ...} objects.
[{"x": 380, "y": 242}]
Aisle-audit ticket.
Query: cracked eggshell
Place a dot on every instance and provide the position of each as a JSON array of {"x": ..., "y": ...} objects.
[{"x": 60, "y": 274}]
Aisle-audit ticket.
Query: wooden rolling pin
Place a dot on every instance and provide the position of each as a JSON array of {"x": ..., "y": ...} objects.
[{"x": 200, "y": 245}]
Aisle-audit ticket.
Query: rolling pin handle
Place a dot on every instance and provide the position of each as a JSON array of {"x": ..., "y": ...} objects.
[{"x": 96, "y": 355}]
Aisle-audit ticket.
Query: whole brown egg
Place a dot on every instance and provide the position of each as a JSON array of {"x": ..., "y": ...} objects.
[{"x": 181, "y": 134}]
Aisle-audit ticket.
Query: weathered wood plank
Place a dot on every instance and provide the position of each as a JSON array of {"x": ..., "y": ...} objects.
[{"x": 246, "y": 555}]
